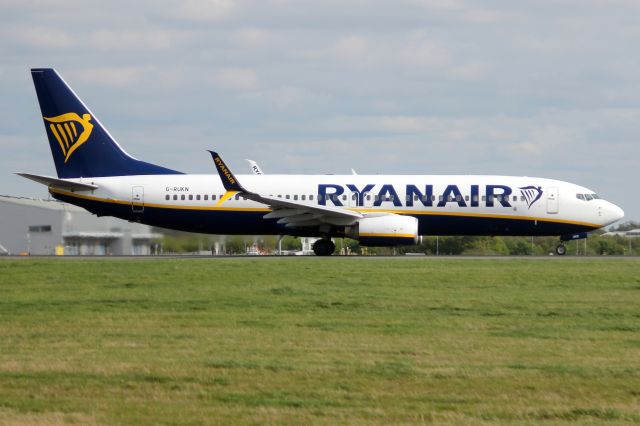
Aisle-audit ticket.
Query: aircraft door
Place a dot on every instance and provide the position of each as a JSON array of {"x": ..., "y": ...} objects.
[
  {"x": 553, "y": 200},
  {"x": 137, "y": 199}
]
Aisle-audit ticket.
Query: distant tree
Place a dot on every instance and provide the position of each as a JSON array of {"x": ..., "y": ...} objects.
[
  {"x": 519, "y": 246},
  {"x": 625, "y": 226}
]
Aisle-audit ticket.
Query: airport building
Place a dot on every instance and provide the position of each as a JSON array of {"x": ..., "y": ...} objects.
[
  {"x": 48, "y": 227},
  {"x": 633, "y": 233}
]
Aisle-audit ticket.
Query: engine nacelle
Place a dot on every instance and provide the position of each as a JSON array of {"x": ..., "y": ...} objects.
[{"x": 388, "y": 230}]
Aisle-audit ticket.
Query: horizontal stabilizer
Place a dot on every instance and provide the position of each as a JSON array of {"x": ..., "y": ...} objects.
[{"x": 59, "y": 183}]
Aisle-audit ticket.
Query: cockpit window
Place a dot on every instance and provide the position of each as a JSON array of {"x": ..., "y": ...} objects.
[{"x": 587, "y": 197}]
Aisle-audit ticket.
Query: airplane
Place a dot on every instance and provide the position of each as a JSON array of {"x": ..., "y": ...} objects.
[{"x": 95, "y": 173}]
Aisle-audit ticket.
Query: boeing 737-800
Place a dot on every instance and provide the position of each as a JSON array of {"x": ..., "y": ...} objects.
[{"x": 95, "y": 173}]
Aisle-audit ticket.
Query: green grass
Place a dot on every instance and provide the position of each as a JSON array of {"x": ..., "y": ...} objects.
[{"x": 321, "y": 341}]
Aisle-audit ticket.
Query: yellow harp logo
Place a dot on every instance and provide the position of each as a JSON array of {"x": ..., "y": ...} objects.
[{"x": 70, "y": 131}]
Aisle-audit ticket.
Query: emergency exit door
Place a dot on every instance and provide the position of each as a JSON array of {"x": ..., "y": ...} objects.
[
  {"x": 137, "y": 199},
  {"x": 552, "y": 200}
]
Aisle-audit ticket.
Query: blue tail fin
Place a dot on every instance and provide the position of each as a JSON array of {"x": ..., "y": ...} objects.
[{"x": 80, "y": 145}]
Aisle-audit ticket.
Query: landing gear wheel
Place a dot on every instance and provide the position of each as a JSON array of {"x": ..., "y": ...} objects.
[
  {"x": 324, "y": 247},
  {"x": 561, "y": 250}
]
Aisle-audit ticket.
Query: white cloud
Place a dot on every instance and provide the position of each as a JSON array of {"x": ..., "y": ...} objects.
[
  {"x": 251, "y": 37},
  {"x": 109, "y": 76},
  {"x": 471, "y": 71},
  {"x": 46, "y": 38},
  {"x": 241, "y": 79},
  {"x": 136, "y": 40},
  {"x": 204, "y": 10},
  {"x": 287, "y": 97},
  {"x": 421, "y": 50}
]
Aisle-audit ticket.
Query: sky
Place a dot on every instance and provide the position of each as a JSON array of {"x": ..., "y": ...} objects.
[{"x": 527, "y": 88}]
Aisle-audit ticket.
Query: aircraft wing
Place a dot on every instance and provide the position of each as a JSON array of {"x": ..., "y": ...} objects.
[
  {"x": 59, "y": 183},
  {"x": 291, "y": 213}
]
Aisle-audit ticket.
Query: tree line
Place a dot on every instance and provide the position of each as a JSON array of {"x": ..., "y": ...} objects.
[{"x": 595, "y": 245}]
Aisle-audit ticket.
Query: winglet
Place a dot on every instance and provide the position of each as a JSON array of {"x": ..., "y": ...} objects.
[
  {"x": 255, "y": 169},
  {"x": 229, "y": 181}
]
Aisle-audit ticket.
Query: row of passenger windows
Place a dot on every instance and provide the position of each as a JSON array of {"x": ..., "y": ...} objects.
[
  {"x": 424, "y": 198},
  {"x": 587, "y": 197},
  {"x": 197, "y": 197}
]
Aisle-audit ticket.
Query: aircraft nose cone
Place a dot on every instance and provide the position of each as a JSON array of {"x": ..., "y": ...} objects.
[
  {"x": 613, "y": 213},
  {"x": 617, "y": 212}
]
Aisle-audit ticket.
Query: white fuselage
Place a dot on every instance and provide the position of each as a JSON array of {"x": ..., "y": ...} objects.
[{"x": 444, "y": 205}]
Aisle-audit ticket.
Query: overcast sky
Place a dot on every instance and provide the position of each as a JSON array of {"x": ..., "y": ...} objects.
[{"x": 535, "y": 88}]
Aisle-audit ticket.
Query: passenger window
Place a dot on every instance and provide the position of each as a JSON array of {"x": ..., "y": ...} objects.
[
  {"x": 190, "y": 197},
  {"x": 354, "y": 197},
  {"x": 319, "y": 197},
  {"x": 440, "y": 198},
  {"x": 344, "y": 198},
  {"x": 377, "y": 198},
  {"x": 425, "y": 198},
  {"x": 166, "y": 197},
  {"x": 522, "y": 198},
  {"x": 198, "y": 197},
  {"x": 287, "y": 196},
  {"x": 391, "y": 198},
  {"x": 206, "y": 197},
  {"x": 279, "y": 195},
  {"x": 466, "y": 198},
  {"x": 475, "y": 198},
  {"x": 484, "y": 198},
  {"x": 458, "y": 197},
  {"x": 213, "y": 197},
  {"x": 368, "y": 197},
  {"x": 175, "y": 197},
  {"x": 515, "y": 198},
  {"x": 311, "y": 197},
  {"x": 182, "y": 197},
  {"x": 303, "y": 197},
  {"x": 295, "y": 197},
  {"x": 450, "y": 198}
]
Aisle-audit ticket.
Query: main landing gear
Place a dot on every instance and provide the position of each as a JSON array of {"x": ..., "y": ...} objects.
[
  {"x": 561, "y": 249},
  {"x": 324, "y": 247}
]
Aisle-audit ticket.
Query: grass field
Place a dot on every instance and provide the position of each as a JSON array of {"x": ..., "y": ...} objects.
[{"x": 320, "y": 341}]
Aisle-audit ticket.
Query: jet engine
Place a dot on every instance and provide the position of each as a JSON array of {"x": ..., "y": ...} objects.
[{"x": 385, "y": 231}]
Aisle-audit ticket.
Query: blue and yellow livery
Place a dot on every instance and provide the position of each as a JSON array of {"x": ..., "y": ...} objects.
[{"x": 94, "y": 172}]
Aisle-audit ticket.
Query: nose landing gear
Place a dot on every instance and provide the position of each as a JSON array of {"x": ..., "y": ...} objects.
[{"x": 324, "y": 247}]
